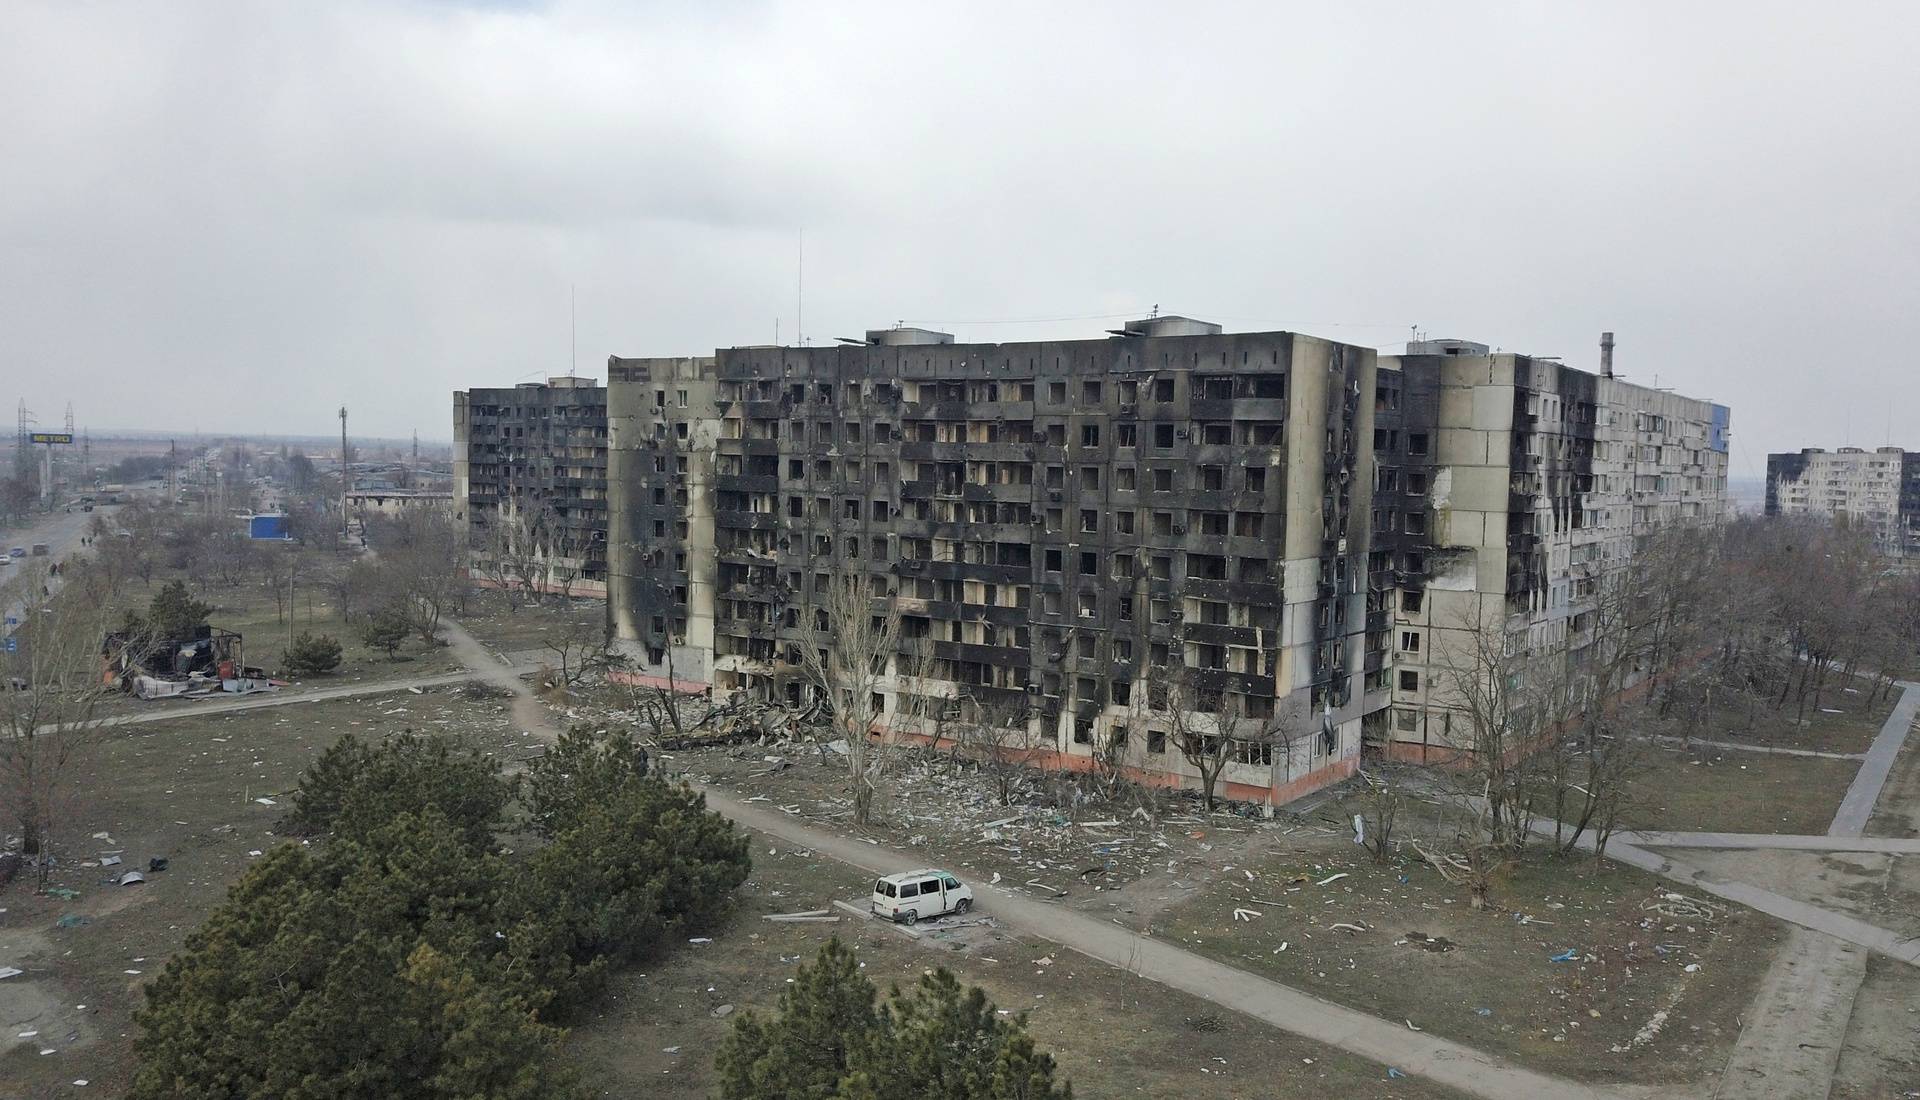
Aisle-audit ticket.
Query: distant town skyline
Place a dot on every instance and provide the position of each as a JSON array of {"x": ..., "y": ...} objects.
[{"x": 237, "y": 218}]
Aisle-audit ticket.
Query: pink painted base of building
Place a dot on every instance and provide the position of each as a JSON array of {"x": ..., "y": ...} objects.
[
  {"x": 590, "y": 590},
  {"x": 1044, "y": 759}
]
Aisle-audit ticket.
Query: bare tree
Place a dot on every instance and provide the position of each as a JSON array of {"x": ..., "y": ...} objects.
[
  {"x": 1508, "y": 704},
  {"x": 507, "y": 553},
  {"x": 578, "y": 646},
  {"x": 1477, "y": 855},
  {"x": 847, "y": 648},
  {"x": 1382, "y": 799},
  {"x": 419, "y": 555},
  {"x": 50, "y": 702},
  {"x": 995, "y": 732}
]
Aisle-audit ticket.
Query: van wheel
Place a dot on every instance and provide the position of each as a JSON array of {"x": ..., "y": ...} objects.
[
  {"x": 912, "y": 917},
  {"x": 963, "y": 905}
]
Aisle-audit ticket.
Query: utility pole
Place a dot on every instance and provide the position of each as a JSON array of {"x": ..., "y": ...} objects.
[{"x": 346, "y": 477}]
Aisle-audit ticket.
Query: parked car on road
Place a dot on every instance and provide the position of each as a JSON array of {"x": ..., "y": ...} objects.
[
  {"x": 17, "y": 552},
  {"x": 911, "y": 895}
]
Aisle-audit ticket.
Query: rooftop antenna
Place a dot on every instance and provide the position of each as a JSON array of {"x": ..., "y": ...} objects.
[
  {"x": 573, "y": 323},
  {"x": 800, "y": 294},
  {"x": 1155, "y": 312}
]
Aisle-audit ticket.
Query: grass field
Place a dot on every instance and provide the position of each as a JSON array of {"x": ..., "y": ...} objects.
[{"x": 1114, "y": 1035}]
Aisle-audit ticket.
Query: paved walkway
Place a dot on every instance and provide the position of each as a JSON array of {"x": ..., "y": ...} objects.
[
  {"x": 1790, "y": 1041},
  {"x": 1822, "y": 843},
  {"x": 1388, "y": 1042},
  {"x": 1857, "y": 806},
  {"x": 1742, "y": 746},
  {"x": 1792, "y": 910}
]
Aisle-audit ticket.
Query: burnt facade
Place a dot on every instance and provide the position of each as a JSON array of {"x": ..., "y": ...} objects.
[
  {"x": 1295, "y": 532},
  {"x": 1062, "y": 525},
  {"x": 530, "y": 484},
  {"x": 1525, "y": 482}
]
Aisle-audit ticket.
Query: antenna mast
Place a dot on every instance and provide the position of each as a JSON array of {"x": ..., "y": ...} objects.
[{"x": 800, "y": 294}]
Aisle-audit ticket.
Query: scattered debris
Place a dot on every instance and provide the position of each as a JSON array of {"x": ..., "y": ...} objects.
[
  {"x": 10, "y": 972},
  {"x": 1683, "y": 908},
  {"x": 1247, "y": 914},
  {"x": 1436, "y": 944},
  {"x": 722, "y": 1012},
  {"x": 132, "y": 878},
  {"x": 1332, "y": 878},
  {"x": 811, "y": 916},
  {"x": 1565, "y": 956}
]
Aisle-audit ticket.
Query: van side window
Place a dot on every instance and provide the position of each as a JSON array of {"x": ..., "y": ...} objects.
[
  {"x": 952, "y": 883},
  {"x": 931, "y": 886},
  {"x": 909, "y": 889}
]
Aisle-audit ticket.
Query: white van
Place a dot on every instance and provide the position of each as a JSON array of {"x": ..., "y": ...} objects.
[{"x": 910, "y": 895}]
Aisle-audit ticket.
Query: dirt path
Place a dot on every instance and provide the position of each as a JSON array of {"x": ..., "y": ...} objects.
[
  {"x": 528, "y": 712},
  {"x": 1388, "y": 1042}
]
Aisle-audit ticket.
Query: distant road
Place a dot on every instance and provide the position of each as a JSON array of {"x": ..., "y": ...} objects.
[{"x": 61, "y": 531}]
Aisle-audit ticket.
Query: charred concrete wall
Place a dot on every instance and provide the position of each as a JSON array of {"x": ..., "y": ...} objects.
[
  {"x": 662, "y": 424},
  {"x": 1539, "y": 480},
  {"x": 530, "y": 463},
  {"x": 1063, "y": 524}
]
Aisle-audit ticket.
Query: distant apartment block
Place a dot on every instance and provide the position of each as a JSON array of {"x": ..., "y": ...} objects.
[
  {"x": 530, "y": 483},
  {"x": 1878, "y": 490},
  {"x": 1508, "y": 488}
]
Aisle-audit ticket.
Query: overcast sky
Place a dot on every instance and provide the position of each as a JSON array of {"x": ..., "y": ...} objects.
[{"x": 238, "y": 217}]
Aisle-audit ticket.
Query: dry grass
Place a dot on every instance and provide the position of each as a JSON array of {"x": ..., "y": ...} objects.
[{"x": 1494, "y": 985}]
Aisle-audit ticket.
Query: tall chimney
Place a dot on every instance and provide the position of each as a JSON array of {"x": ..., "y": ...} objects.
[{"x": 1606, "y": 355}]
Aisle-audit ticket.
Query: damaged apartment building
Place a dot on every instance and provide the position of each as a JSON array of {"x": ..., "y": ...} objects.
[
  {"x": 1878, "y": 490},
  {"x": 1508, "y": 488},
  {"x": 1273, "y": 521},
  {"x": 530, "y": 484}
]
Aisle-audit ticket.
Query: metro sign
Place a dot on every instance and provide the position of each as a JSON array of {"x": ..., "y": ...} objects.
[{"x": 52, "y": 437}]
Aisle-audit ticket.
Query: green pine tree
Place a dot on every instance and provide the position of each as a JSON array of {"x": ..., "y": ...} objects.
[
  {"x": 174, "y": 613},
  {"x": 806, "y": 1049}
]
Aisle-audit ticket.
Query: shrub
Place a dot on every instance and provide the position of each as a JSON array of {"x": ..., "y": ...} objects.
[
  {"x": 830, "y": 1042},
  {"x": 385, "y": 629},
  {"x": 313, "y": 653}
]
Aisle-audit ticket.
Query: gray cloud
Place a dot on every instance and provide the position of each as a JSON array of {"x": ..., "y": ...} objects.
[{"x": 239, "y": 216}]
